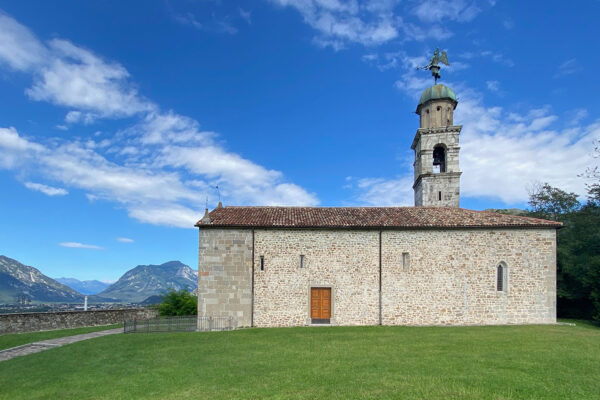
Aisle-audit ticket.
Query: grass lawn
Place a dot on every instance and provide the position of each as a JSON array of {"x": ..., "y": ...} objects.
[
  {"x": 503, "y": 362},
  {"x": 16, "y": 339}
]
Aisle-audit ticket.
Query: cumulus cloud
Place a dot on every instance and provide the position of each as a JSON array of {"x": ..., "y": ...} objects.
[
  {"x": 146, "y": 167},
  {"x": 77, "y": 245},
  {"x": 75, "y": 77},
  {"x": 16, "y": 149},
  {"x": 47, "y": 190},
  {"x": 340, "y": 22},
  {"x": 70, "y": 76},
  {"x": 374, "y": 22}
]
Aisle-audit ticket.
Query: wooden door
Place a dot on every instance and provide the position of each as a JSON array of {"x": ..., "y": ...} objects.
[{"x": 320, "y": 303}]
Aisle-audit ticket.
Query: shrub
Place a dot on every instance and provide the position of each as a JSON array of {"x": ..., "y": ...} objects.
[{"x": 178, "y": 303}]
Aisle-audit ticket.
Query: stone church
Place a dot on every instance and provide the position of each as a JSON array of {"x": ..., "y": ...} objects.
[{"x": 431, "y": 264}]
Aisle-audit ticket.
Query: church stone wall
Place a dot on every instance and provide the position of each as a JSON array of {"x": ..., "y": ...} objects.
[
  {"x": 448, "y": 276},
  {"x": 347, "y": 261},
  {"x": 225, "y": 274},
  {"x": 451, "y": 277}
]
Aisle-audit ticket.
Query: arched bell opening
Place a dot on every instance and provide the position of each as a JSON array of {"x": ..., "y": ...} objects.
[{"x": 439, "y": 159}]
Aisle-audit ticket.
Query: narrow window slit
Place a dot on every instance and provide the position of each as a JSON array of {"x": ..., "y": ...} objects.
[
  {"x": 262, "y": 263},
  {"x": 405, "y": 261},
  {"x": 500, "y": 280}
]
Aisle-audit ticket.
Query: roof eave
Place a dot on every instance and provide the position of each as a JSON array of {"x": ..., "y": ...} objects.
[{"x": 374, "y": 227}]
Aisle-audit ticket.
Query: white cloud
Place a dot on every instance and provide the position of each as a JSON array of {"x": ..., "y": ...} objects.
[
  {"x": 493, "y": 86},
  {"x": 48, "y": 190},
  {"x": 154, "y": 188},
  {"x": 74, "y": 117},
  {"x": 16, "y": 149},
  {"x": 567, "y": 68},
  {"x": 395, "y": 191},
  {"x": 501, "y": 152},
  {"x": 144, "y": 168},
  {"x": 76, "y": 78},
  {"x": 340, "y": 22},
  {"x": 214, "y": 24},
  {"x": 438, "y": 10},
  {"x": 77, "y": 245},
  {"x": 68, "y": 75},
  {"x": 19, "y": 48},
  {"x": 246, "y": 16},
  {"x": 163, "y": 128},
  {"x": 125, "y": 240},
  {"x": 498, "y": 58}
]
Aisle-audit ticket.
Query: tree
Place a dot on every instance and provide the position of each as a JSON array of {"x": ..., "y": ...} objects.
[
  {"x": 578, "y": 248},
  {"x": 179, "y": 302},
  {"x": 552, "y": 203},
  {"x": 579, "y": 264},
  {"x": 593, "y": 172}
]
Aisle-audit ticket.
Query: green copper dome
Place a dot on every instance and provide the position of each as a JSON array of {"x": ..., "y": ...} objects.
[{"x": 437, "y": 92}]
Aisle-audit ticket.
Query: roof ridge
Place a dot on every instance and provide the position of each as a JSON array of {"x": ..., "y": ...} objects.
[{"x": 370, "y": 217}]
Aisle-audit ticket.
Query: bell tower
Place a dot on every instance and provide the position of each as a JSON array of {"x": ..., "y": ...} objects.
[
  {"x": 436, "y": 146},
  {"x": 437, "y": 176}
]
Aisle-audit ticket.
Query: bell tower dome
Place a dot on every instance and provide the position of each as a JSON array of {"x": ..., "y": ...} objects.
[{"x": 436, "y": 147}]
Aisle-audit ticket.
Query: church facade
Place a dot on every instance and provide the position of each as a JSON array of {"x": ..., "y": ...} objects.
[{"x": 432, "y": 264}]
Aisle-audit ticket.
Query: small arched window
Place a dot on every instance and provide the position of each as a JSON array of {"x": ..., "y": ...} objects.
[
  {"x": 501, "y": 278},
  {"x": 439, "y": 159}
]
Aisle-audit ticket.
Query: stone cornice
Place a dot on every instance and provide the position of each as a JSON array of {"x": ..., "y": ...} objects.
[
  {"x": 440, "y": 174},
  {"x": 434, "y": 131}
]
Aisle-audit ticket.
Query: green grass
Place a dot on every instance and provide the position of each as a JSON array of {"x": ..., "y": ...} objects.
[
  {"x": 502, "y": 362},
  {"x": 16, "y": 339}
]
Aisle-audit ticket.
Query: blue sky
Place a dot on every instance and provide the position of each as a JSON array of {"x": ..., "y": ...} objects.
[{"x": 118, "y": 119}]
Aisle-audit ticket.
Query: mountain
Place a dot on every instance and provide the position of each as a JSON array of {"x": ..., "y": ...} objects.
[
  {"x": 18, "y": 280},
  {"x": 152, "y": 300},
  {"x": 144, "y": 281},
  {"x": 84, "y": 287}
]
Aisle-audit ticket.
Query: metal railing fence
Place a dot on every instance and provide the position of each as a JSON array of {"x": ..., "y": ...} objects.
[{"x": 187, "y": 323}]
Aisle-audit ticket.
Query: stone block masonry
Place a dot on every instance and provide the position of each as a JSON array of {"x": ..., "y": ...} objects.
[
  {"x": 46, "y": 321},
  {"x": 451, "y": 277},
  {"x": 428, "y": 276},
  {"x": 225, "y": 274},
  {"x": 344, "y": 260}
]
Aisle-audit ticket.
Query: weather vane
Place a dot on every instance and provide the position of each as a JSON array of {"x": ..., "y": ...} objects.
[{"x": 434, "y": 63}]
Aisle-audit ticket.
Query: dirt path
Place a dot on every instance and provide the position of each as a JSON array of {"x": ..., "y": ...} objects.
[{"x": 51, "y": 343}]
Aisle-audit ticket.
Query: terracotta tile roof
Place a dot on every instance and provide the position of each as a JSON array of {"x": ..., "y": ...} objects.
[{"x": 366, "y": 217}]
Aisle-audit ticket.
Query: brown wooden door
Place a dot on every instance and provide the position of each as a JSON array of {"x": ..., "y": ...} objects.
[{"x": 320, "y": 303}]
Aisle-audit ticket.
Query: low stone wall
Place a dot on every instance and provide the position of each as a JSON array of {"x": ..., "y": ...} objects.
[{"x": 46, "y": 321}]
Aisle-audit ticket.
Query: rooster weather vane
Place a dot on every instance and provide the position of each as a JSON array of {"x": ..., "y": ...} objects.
[{"x": 434, "y": 63}]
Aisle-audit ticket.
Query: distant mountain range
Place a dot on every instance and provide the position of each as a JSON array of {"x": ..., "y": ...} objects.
[
  {"x": 29, "y": 284},
  {"x": 143, "y": 281},
  {"x": 18, "y": 281},
  {"x": 84, "y": 287}
]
